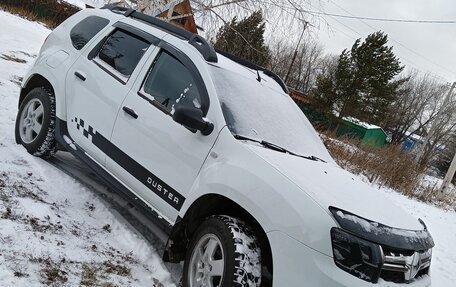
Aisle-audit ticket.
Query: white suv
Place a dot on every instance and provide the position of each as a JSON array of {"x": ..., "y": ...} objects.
[{"x": 213, "y": 149}]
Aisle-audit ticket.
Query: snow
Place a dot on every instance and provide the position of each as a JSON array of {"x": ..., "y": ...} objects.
[
  {"x": 54, "y": 230},
  {"x": 77, "y": 3},
  {"x": 251, "y": 110},
  {"x": 367, "y": 226},
  {"x": 415, "y": 137},
  {"x": 50, "y": 222},
  {"x": 362, "y": 124},
  {"x": 82, "y": 3},
  {"x": 94, "y": 3},
  {"x": 442, "y": 225}
]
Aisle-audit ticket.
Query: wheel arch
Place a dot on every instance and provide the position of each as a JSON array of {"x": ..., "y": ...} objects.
[
  {"x": 202, "y": 208},
  {"x": 34, "y": 81}
]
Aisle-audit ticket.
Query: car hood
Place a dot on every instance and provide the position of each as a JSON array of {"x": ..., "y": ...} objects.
[{"x": 330, "y": 185}]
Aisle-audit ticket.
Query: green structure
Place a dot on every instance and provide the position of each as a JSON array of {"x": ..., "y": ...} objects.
[{"x": 369, "y": 134}]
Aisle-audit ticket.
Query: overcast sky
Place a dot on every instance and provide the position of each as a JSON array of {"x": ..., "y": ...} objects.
[{"x": 427, "y": 47}]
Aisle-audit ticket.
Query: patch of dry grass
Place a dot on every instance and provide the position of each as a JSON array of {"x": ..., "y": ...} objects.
[
  {"x": 49, "y": 12},
  {"x": 388, "y": 167},
  {"x": 12, "y": 58}
]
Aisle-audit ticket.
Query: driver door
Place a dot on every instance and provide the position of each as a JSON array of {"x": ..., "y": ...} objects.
[{"x": 161, "y": 158}]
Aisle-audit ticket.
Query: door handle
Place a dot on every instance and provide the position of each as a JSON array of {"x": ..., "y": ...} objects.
[
  {"x": 80, "y": 76},
  {"x": 130, "y": 112}
]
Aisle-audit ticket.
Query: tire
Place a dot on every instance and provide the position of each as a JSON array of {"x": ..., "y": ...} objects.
[
  {"x": 35, "y": 125},
  {"x": 228, "y": 240}
]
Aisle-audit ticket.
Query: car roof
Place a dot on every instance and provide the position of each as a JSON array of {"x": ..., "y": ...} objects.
[{"x": 219, "y": 59}]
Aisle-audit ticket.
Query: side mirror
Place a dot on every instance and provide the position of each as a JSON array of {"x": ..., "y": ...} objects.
[{"x": 192, "y": 118}]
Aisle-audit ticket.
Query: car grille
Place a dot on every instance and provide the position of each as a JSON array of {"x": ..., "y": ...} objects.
[{"x": 405, "y": 266}]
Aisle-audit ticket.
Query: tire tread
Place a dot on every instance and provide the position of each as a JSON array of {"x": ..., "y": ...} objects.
[
  {"x": 48, "y": 147},
  {"x": 247, "y": 253}
]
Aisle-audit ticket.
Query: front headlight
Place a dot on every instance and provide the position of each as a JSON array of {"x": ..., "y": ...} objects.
[{"x": 356, "y": 256}]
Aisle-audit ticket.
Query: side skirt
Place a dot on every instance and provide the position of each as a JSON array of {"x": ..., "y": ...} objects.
[{"x": 63, "y": 137}]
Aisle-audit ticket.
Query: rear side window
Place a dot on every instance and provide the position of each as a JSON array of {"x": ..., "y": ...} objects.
[
  {"x": 122, "y": 52},
  {"x": 85, "y": 30},
  {"x": 172, "y": 84}
]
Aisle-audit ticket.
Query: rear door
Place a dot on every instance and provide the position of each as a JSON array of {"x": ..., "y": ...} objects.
[
  {"x": 157, "y": 157},
  {"x": 99, "y": 81}
]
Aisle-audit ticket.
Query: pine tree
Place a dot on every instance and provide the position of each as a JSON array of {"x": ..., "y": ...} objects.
[
  {"x": 245, "y": 39},
  {"x": 363, "y": 84}
]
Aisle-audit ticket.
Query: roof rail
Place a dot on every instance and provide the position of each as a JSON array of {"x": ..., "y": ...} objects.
[
  {"x": 253, "y": 66},
  {"x": 204, "y": 47}
]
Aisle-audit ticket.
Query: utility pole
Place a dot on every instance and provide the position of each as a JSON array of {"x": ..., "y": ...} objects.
[
  {"x": 435, "y": 124},
  {"x": 449, "y": 176},
  {"x": 296, "y": 52}
]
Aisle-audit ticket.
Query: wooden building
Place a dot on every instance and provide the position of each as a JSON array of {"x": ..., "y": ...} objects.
[
  {"x": 300, "y": 98},
  {"x": 177, "y": 12}
]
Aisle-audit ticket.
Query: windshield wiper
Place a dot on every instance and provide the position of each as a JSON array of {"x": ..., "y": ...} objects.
[
  {"x": 277, "y": 148},
  {"x": 263, "y": 143},
  {"x": 311, "y": 157},
  {"x": 244, "y": 138}
]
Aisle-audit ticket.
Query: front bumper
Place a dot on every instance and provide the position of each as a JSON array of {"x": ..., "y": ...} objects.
[{"x": 296, "y": 265}]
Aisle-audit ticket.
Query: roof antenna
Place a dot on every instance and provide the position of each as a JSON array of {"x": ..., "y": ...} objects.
[{"x": 259, "y": 77}]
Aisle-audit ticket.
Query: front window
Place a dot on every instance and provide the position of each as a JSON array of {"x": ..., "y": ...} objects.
[
  {"x": 256, "y": 110},
  {"x": 171, "y": 84}
]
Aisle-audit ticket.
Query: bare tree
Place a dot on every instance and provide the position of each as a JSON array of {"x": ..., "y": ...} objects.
[
  {"x": 443, "y": 135},
  {"x": 284, "y": 17},
  {"x": 416, "y": 106},
  {"x": 416, "y": 110},
  {"x": 304, "y": 70}
]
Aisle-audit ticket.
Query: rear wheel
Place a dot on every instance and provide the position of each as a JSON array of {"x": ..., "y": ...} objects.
[
  {"x": 35, "y": 123},
  {"x": 224, "y": 252}
]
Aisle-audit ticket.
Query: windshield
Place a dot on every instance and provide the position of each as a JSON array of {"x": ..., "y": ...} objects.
[{"x": 256, "y": 110}]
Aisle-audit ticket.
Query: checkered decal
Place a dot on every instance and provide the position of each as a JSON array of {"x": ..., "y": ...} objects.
[
  {"x": 88, "y": 133},
  {"x": 151, "y": 181}
]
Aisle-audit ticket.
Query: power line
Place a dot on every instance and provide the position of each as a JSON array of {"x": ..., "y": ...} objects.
[
  {"x": 409, "y": 62},
  {"x": 341, "y": 23},
  {"x": 400, "y": 44},
  {"x": 383, "y": 19}
]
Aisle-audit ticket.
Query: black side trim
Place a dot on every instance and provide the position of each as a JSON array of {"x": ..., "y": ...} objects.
[
  {"x": 79, "y": 153},
  {"x": 151, "y": 181}
]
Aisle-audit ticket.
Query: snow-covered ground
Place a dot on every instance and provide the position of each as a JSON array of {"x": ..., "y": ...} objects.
[
  {"x": 82, "y": 3},
  {"x": 56, "y": 231},
  {"x": 53, "y": 230},
  {"x": 442, "y": 225}
]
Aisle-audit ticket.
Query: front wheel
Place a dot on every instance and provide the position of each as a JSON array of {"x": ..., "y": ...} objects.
[
  {"x": 35, "y": 123},
  {"x": 224, "y": 252}
]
